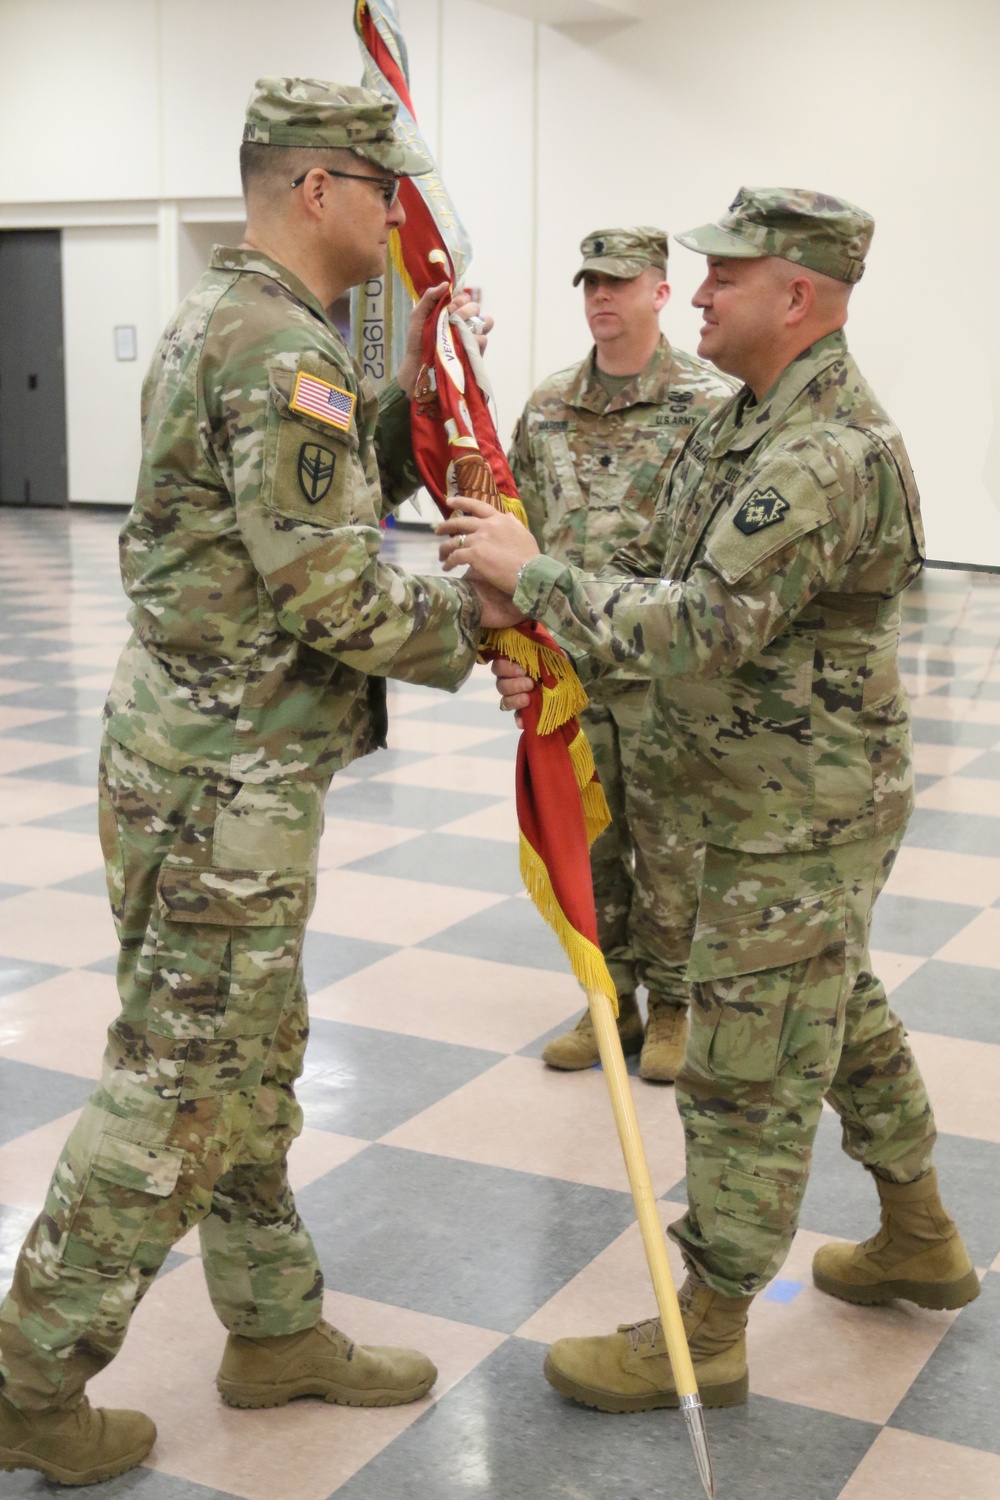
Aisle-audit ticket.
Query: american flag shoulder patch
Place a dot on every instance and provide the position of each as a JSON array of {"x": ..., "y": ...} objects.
[{"x": 318, "y": 398}]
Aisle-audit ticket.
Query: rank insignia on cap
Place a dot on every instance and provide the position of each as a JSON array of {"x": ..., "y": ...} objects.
[
  {"x": 761, "y": 509},
  {"x": 318, "y": 398}
]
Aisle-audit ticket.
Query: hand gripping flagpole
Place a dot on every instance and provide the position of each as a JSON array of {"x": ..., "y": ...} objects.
[{"x": 613, "y": 1063}]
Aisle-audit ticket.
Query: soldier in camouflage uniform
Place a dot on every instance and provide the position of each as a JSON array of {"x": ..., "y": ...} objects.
[
  {"x": 592, "y": 450},
  {"x": 777, "y": 731},
  {"x": 264, "y": 625}
]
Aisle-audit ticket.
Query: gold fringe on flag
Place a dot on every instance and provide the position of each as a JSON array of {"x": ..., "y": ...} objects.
[
  {"x": 560, "y": 703},
  {"x": 596, "y": 813},
  {"x": 586, "y": 959},
  {"x": 513, "y": 506},
  {"x": 582, "y": 757},
  {"x": 396, "y": 253}
]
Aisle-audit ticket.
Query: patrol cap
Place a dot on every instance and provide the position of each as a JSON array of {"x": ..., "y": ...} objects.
[
  {"x": 308, "y": 112},
  {"x": 827, "y": 234},
  {"x": 623, "y": 252}
]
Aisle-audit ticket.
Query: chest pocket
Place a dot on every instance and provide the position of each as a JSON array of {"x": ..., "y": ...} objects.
[
  {"x": 312, "y": 469},
  {"x": 563, "y": 490}
]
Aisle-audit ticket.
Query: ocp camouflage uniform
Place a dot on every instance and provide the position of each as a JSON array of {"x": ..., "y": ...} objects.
[
  {"x": 259, "y": 609},
  {"x": 777, "y": 733},
  {"x": 589, "y": 466}
]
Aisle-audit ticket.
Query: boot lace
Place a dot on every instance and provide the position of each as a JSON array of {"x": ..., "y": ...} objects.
[{"x": 648, "y": 1331}]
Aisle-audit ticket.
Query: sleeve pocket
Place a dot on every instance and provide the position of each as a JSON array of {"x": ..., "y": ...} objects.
[
  {"x": 312, "y": 469},
  {"x": 783, "y": 502}
]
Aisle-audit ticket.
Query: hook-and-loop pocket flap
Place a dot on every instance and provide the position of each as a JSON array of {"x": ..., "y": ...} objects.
[
  {"x": 770, "y": 937},
  {"x": 233, "y": 898},
  {"x": 282, "y": 391},
  {"x": 141, "y": 1168}
]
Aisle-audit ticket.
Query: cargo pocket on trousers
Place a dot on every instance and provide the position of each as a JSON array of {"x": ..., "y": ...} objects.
[
  {"x": 126, "y": 1182},
  {"x": 232, "y": 939},
  {"x": 111, "y": 848},
  {"x": 742, "y": 969},
  {"x": 755, "y": 1218}
]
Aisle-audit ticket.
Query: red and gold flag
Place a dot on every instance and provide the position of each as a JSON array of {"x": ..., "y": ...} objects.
[{"x": 560, "y": 804}]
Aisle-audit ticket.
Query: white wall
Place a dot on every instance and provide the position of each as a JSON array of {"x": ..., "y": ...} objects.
[
  {"x": 111, "y": 99},
  {"x": 544, "y": 134},
  {"x": 211, "y": 56},
  {"x": 109, "y": 278},
  {"x": 79, "y": 99}
]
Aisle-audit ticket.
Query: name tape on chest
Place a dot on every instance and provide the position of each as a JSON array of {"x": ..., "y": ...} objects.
[
  {"x": 762, "y": 508},
  {"x": 318, "y": 398}
]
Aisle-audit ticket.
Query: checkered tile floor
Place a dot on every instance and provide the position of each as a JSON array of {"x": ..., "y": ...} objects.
[{"x": 464, "y": 1198}]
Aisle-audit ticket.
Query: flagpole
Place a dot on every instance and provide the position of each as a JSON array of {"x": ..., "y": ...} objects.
[{"x": 637, "y": 1167}]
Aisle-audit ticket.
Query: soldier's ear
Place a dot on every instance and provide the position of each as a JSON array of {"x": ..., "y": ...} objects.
[
  {"x": 801, "y": 295},
  {"x": 315, "y": 190},
  {"x": 661, "y": 296}
]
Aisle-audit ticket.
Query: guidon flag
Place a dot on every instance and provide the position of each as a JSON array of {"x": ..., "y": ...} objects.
[{"x": 561, "y": 806}]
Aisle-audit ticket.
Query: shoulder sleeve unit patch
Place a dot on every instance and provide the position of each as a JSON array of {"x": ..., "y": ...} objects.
[
  {"x": 316, "y": 467},
  {"x": 318, "y": 398},
  {"x": 762, "y": 508}
]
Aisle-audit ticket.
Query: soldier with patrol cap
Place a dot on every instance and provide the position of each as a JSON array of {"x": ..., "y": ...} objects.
[
  {"x": 264, "y": 625},
  {"x": 593, "y": 448},
  {"x": 764, "y": 604}
]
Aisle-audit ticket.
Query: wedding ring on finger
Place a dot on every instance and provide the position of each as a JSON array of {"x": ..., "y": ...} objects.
[
  {"x": 460, "y": 539},
  {"x": 476, "y": 325}
]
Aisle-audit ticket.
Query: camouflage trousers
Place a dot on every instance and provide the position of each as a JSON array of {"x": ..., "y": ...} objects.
[
  {"x": 786, "y": 1012},
  {"x": 644, "y": 888},
  {"x": 211, "y": 884}
]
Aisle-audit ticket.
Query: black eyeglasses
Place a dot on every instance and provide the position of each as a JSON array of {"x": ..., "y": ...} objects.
[{"x": 387, "y": 186}]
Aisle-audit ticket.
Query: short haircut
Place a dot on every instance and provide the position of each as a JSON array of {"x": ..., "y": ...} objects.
[{"x": 265, "y": 169}]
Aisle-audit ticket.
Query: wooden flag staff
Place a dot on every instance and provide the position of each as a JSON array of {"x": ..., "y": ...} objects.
[{"x": 613, "y": 1063}]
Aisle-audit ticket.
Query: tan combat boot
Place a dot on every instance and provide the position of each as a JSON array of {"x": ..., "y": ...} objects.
[
  {"x": 75, "y": 1444},
  {"x": 630, "y": 1370},
  {"x": 320, "y": 1362},
  {"x": 917, "y": 1254},
  {"x": 578, "y": 1048},
  {"x": 666, "y": 1040}
]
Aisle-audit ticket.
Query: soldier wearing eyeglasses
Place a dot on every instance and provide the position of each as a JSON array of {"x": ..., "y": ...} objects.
[{"x": 263, "y": 627}]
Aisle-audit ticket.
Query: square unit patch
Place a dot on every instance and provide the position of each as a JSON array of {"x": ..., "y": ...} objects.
[
  {"x": 318, "y": 398},
  {"x": 762, "y": 508}
]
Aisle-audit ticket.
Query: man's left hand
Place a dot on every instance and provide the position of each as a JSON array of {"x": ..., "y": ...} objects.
[
  {"x": 494, "y": 543},
  {"x": 462, "y": 304}
]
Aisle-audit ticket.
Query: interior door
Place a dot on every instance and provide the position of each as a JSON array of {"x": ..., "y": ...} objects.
[{"x": 32, "y": 382}]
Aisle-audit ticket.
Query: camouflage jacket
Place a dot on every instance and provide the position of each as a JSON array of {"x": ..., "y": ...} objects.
[
  {"x": 251, "y": 554},
  {"x": 589, "y": 466},
  {"x": 764, "y": 602}
]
